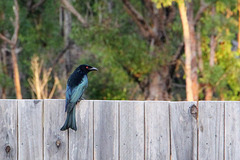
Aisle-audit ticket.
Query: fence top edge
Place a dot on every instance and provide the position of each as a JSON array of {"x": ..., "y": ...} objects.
[{"x": 118, "y": 100}]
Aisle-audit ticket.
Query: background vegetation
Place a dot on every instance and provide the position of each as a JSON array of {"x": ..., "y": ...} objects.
[{"x": 138, "y": 46}]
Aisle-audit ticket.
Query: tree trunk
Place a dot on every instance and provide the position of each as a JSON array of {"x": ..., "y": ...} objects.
[
  {"x": 194, "y": 64},
  {"x": 199, "y": 52},
  {"x": 16, "y": 73},
  {"x": 67, "y": 27},
  {"x": 193, "y": 39},
  {"x": 187, "y": 42},
  {"x": 208, "y": 93},
  {"x": 65, "y": 23},
  {"x": 66, "y": 4},
  {"x": 159, "y": 86},
  {"x": 4, "y": 67},
  {"x": 209, "y": 89},
  {"x": 13, "y": 44},
  {"x": 152, "y": 27},
  {"x": 213, "y": 44},
  {"x": 238, "y": 25}
]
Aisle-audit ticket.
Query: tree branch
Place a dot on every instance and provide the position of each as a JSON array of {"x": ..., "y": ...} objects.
[
  {"x": 59, "y": 56},
  {"x": 134, "y": 77},
  {"x": 35, "y": 6},
  {"x": 16, "y": 23},
  {"x": 179, "y": 52},
  {"x": 71, "y": 9},
  {"x": 176, "y": 57},
  {"x": 203, "y": 7},
  {"x": 5, "y": 39},
  {"x": 138, "y": 18},
  {"x": 13, "y": 41}
]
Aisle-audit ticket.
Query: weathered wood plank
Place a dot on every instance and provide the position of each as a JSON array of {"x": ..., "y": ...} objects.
[
  {"x": 105, "y": 130},
  {"x": 30, "y": 129},
  {"x": 211, "y": 130},
  {"x": 81, "y": 141},
  {"x": 131, "y": 130},
  {"x": 8, "y": 129},
  {"x": 183, "y": 131},
  {"x": 232, "y": 130},
  {"x": 157, "y": 134},
  {"x": 55, "y": 141}
]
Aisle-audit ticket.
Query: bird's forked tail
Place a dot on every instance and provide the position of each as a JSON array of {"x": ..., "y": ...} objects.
[{"x": 70, "y": 121}]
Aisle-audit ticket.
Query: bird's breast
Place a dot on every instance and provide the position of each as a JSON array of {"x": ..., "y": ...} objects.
[
  {"x": 84, "y": 82},
  {"x": 77, "y": 92}
]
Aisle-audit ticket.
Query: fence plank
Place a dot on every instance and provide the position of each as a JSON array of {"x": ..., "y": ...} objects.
[
  {"x": 30, "y": 131},
  {"x": 131, "y": 130},
  {"x": 55, "y": 141},
  {"x": 183, "y": 131},
  {"x": 105, "y": 130},
  {"x": 8, "y": 129},
  {"x": 119, "y": 130},
  {"x": 232, "y": 131},
  {"x": 211, "y": 130},
  {"x": 81, "y": 141},
  {"x": 157, "y": 142}
]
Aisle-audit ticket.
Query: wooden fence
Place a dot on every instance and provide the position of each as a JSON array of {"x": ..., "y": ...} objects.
[{"x": 126, "y": 130}]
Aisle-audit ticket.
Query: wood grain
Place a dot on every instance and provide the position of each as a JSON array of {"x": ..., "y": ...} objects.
[
  {"x": 105, "y": 130},
  {"x": 232, "y": 130},
  {"x": 211, "y": 130},
  {"x": 55, "y": 141},
  {"x": 183, "y": 131},
  {"x": 157, "y": 133},
  {"x": 81, "y": 141},
  {"x": 30, "y": 129},
  {"x": 131, "y": 130},
  {"x": 8, "y": 129}
]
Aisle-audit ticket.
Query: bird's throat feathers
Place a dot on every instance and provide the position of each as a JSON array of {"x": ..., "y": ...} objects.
[{"x": 76, "y": 78}]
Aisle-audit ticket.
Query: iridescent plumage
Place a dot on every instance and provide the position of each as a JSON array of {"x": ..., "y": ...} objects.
[{"x": 76, "y": 85}]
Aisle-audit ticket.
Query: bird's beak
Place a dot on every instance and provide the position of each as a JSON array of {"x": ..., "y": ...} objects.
[{"x": 93, "y": 69}]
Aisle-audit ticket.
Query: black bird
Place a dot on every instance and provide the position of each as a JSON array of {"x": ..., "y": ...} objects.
[{"x": 76, "y": 85}]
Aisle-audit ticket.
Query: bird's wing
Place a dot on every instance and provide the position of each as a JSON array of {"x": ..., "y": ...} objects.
[
  {"x": 75, "y": 94},
  {"x": 68, "y": 96}
]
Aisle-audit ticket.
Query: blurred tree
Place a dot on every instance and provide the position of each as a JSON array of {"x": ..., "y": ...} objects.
[
  {"x": 188, "y": 52},
  {"x": 189, "y": 22},
  {"x": 157, "y": 84},
  {"x": 13, "y": 46},
  {"x": 238, "y": 6},
  {"x": 144, "y": 62},
  {"x": 136, "y": 46},
  {"x": 213, "y": 45},
  {"x": 218, "y": 33}
]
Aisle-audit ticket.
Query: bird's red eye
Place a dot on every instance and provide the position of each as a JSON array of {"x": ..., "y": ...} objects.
[{"x": 87, "y": 67}]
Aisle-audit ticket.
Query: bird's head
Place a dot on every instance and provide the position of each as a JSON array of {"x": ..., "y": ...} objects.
[{"x": 86, "y": 68}]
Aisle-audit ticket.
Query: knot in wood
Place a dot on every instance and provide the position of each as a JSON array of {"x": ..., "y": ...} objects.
[
  {"x": 36, "y": 101},
  {"x": 7, "y": 149},
  {"x": 194, "y": 111},
  {"x": 58, "y": 143}
]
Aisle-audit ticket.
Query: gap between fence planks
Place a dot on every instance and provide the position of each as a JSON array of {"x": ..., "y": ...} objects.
[{"x": 127, "y": 130}]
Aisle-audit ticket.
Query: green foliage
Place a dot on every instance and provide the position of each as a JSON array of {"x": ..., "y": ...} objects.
[
  {"x": 112, "y": 50},
  {"x": 115, "y": 45},
  {"x": 164, "y": 3},
  {"x": 5, "y": 81},
  {"x": 230, "y": 63},
  {"x": 40, "y": 33},
  {"x": 112, "y": 42},
  {"x": 223, "y": 76},
  {"x": 6, "y": 12}
]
